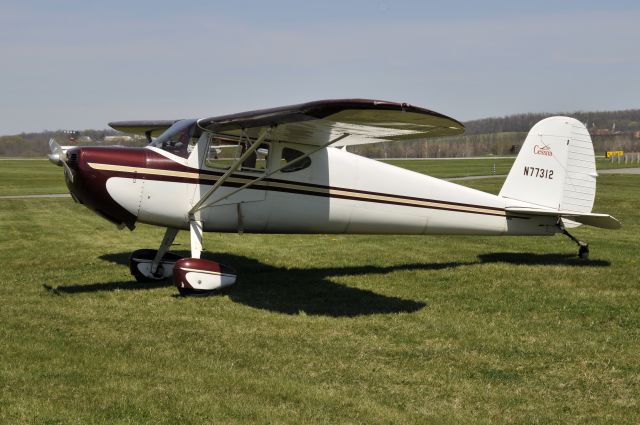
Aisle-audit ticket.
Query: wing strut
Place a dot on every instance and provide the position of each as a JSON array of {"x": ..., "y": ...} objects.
[
  {"x": 195, "y": 223},
  {"x": 263, "y": 135},
  {"x": 264, "y": 176}
]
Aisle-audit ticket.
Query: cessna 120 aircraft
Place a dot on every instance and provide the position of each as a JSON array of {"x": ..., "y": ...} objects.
[{"x": 278, "y": 171}]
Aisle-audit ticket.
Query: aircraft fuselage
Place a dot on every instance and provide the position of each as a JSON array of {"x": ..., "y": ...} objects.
[{"x": 338, "y": 192}]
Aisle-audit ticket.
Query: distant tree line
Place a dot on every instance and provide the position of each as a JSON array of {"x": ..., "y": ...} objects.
[
  {"x": 37, "y": 144},
  {"x": 625, "y": 121},
  {"x": 498, "y": 144},
  {"x": 611, "y": 130},
  {"x": 446, "y": 147}
]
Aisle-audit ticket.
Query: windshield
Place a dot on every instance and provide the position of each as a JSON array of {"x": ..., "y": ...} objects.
[{"x": 180, "y": 138}]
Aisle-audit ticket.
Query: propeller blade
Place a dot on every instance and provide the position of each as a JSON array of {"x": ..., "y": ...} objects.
[
  {"x": 68, "y": 171},
  {"x": 59, "y": 157}
]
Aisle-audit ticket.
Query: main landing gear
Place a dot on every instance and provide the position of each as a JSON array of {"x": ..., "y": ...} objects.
[
  {"x": 190, "y": 275},
  {"x": 583, "y": 247},
  {"x": 140, "y": 264},
  {"x": 193, "y": 275},
  {"x": 148, "y": 265}
]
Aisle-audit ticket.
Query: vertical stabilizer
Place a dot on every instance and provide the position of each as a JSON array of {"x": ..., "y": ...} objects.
[{"x": 555, "y": 168}]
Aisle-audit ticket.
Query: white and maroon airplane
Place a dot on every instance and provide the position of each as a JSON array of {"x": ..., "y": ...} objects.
[{"x": 278, "y": 171}]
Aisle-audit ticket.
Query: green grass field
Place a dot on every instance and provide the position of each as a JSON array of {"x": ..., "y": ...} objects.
[
  {"x": 443, "y": 168},
  {"x": 30, "y": 177},
  {"x": 318, "y": 328}
]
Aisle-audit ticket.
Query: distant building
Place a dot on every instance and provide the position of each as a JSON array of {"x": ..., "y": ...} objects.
[
  {"x": 594, "y": 131},
  {"x": 117, "y": 139},
  {"x": 601, "y": 131}
]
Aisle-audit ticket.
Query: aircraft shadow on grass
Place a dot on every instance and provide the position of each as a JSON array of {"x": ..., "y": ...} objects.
[
  {"x": 309, "y": 290},
  {"x": 528, "y": 258}
]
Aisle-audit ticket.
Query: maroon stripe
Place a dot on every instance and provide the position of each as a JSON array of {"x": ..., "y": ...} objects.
[
  {"x": 167, "y": 164},
  {"x": 302, "y": 191}
]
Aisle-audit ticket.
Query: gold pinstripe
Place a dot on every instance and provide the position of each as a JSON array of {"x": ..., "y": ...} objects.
[{"x": 206, "y": 272}]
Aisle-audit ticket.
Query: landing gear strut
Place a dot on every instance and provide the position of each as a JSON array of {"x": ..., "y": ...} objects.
[
  {"x": 148, "y": 265},
  {"x": 195, "y": 276},
  {"x": 583, "y": 247},
  {"x": 192, "y": 276},
  {"x": 140, "y": 265}
]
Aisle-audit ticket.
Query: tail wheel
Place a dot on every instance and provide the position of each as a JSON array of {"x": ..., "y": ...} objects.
[{"x": 583, "y": 252}]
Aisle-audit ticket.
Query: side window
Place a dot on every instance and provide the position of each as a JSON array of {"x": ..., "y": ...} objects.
[
  {"x": 288, "y": 155},
  {"x": 257, "y": 161},
  {"x": 193, "y": 141},
  {"x": 224, "y": 152}
]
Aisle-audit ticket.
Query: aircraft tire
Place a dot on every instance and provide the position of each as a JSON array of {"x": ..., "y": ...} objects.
[
  {"x": 583, "y": 252},
  {"x": 147, "y": 255}
]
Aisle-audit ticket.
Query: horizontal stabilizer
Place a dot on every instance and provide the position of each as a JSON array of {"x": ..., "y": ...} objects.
[
  {"x": 152, "y": 127},
  {"x": 604, "y": 221}
]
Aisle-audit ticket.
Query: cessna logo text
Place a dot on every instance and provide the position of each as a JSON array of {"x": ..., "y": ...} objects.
[{"x": 542, "y": 150}]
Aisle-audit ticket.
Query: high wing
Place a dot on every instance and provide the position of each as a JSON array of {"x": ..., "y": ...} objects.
[{"x": 317, "y": 123}]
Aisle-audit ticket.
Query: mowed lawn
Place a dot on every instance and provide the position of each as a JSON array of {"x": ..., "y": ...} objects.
[
  {"x": 320, "y": 328},
  {"x": 30, "y": 177}
]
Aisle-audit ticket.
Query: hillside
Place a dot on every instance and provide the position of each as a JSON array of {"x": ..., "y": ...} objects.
[
  {"x": 610, "y": 130},
  {"x": 37, "y": 144},
  {"x": 627, "y": 121}
]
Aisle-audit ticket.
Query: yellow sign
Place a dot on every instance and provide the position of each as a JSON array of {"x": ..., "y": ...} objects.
[{"x": 614, "y": 153}]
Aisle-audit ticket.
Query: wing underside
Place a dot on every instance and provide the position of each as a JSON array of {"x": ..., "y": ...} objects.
[{"x": 316, "y": 123}]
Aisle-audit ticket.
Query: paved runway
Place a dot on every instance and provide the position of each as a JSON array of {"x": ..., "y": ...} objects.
[
  {"x": 620, "y": 171},
  {"x": 46, "y": 195}
]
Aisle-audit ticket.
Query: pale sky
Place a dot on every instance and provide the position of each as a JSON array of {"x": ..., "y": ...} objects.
[{"x": 78, "y": 64}]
